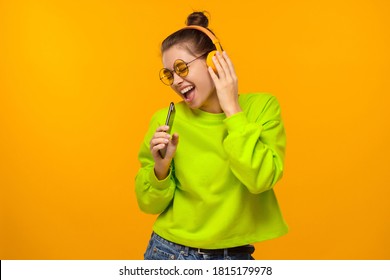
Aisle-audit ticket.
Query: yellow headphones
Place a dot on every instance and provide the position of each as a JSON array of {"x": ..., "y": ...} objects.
[{"x": 209, "y": 59}]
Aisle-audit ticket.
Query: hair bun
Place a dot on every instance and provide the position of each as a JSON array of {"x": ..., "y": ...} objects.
[{"x": 197, "y": 18}]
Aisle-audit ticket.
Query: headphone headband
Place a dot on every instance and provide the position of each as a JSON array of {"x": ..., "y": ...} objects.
[{"x": 208, "y": 33}]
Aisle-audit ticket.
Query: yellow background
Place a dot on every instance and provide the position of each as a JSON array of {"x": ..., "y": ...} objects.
[{"x": 79, "y": 83}]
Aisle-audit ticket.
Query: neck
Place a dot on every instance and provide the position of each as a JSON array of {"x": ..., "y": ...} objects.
[{"x": 212, "y": 105}]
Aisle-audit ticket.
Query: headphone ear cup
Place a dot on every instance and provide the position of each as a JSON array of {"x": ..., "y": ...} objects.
[{"x": 209, "y": 60}]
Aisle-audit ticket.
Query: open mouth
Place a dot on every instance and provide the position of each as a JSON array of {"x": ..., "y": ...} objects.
[{"x": 188, "y": 93}]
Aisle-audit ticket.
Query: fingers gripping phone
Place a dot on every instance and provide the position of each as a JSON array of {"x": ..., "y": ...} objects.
[{"x": 168, "y": 122}]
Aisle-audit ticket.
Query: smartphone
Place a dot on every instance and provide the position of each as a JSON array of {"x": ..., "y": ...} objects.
[{"x": 168, "y": 122}]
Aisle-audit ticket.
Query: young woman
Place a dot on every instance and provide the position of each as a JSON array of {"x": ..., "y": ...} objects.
[{"x": 213, "y": 190}]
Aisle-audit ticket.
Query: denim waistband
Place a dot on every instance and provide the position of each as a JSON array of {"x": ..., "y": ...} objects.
[{"x": 245, "y": 249}]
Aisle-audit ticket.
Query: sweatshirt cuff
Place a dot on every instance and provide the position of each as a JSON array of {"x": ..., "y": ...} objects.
[
  {"x": 160, "y": 184},
  {"x": 236, "y": 122}
]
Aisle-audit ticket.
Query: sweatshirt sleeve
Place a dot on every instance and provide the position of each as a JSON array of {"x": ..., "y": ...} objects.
[
  {"x": 153, "y": 195},
  {"x": 256, "y": 148}
]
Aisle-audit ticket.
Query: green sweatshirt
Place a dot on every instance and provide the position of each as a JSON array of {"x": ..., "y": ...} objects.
[{"x": 219, "y": 192}]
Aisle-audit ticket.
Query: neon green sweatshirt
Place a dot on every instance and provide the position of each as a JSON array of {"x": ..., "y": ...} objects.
[{"x": 219, "y": 192}]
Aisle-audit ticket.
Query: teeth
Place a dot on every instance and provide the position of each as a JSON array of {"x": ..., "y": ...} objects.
[{"x": 187, "y": 89}]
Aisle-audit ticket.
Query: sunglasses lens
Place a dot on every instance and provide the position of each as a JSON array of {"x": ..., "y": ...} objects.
[
  {"x": 166, "y": 76},
  {"x": 181, "y": 68}
]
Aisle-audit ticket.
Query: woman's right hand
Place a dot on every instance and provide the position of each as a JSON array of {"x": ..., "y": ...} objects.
[{"x": 160, "y": 140}]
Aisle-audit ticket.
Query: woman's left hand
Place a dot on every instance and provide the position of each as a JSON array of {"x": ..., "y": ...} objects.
[{"x": 226, "y": 83}]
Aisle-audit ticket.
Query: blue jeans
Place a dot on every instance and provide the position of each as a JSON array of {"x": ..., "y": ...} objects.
[{"x": 162, "y": 249}]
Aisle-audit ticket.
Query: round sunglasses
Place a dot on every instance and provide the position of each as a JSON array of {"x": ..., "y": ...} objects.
[{"x": 180, "y": 67}]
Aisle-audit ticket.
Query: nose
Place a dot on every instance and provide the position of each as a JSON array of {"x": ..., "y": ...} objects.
[{"x": 177, "y": 80}]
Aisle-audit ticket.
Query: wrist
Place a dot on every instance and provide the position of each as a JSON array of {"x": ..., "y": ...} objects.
[
  {"x": 161, "y": 171},
  {"x": 233, "y": 110}
]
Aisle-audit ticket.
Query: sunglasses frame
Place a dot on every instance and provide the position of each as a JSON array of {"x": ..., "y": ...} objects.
[{"x": 163, "y": 70}]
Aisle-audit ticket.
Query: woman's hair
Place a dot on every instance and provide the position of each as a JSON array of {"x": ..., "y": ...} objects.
[{"x": 195, "y": 40}]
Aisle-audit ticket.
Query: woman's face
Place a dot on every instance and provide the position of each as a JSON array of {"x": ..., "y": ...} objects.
[{"x": 197, "y": 88}]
